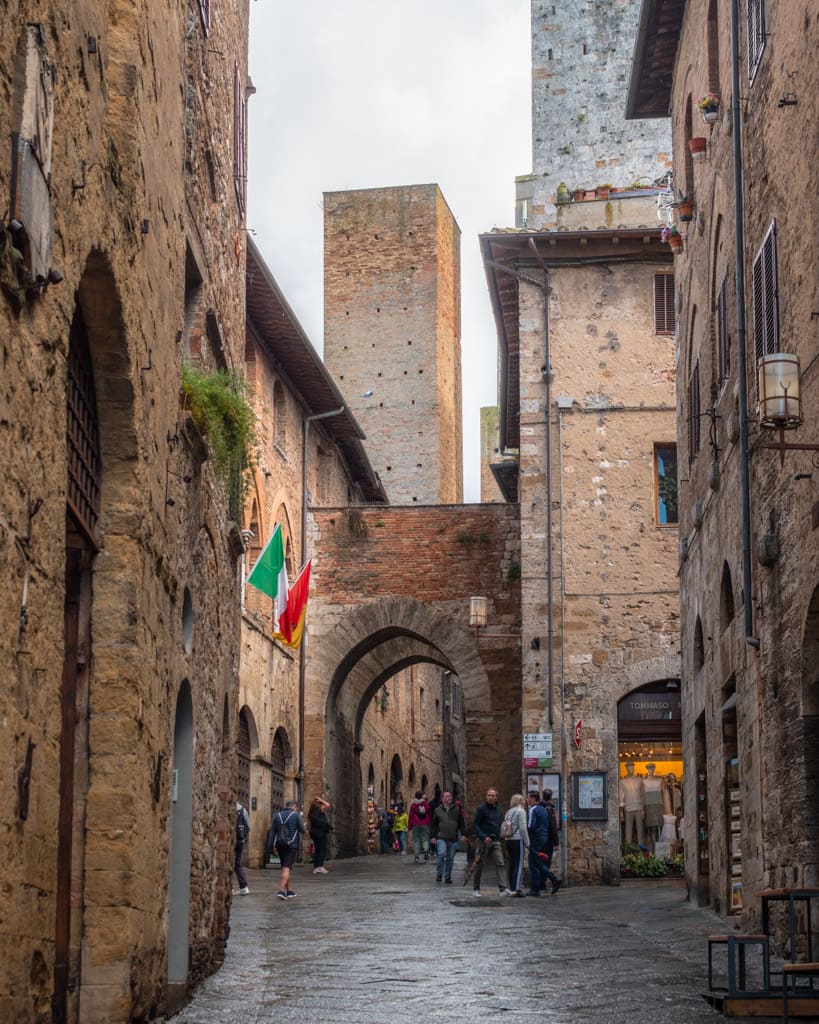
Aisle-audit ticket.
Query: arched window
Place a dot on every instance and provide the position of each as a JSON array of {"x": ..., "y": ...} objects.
[{"x": 726, "y": 598}]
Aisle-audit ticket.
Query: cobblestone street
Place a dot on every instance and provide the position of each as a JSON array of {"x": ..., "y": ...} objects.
[{"x": 377, "y": 940}]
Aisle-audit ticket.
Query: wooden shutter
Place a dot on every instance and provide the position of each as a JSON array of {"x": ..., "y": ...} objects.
[
  {"x": 204, "y": 13},
  {"x": 664, "y": 319},
  {"x": 756, "y": 34},
  {"x": 723, "y": 339},
  {"x": 694, "y": 413},
  {"x": 766, "y": 297},
  {"x": 239, "y": 172}
]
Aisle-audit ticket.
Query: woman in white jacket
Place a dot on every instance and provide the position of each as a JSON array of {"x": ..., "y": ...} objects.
[{"x": 517, "y": 842}]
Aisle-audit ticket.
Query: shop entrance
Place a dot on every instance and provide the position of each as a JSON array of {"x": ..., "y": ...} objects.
[{"x": 649, "y": 747}]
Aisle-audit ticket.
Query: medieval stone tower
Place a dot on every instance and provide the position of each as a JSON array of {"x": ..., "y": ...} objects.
[
  {"x": 392, "y": 333},
  {"x": 581, "y": 60}
]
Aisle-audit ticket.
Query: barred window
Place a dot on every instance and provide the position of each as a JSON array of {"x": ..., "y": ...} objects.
[
  {"x": 723, "y": 337},
  {"x": 766, "y": 297},
  {"x": 694, "y": 413},
  {"x": 664, "y": 319},
  {"x": 756, "y": 35}
]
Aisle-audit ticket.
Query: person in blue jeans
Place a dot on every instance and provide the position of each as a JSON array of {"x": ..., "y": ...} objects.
[
  {"x": 445, "y": 831},
  {"x": 538, "y": 843}
]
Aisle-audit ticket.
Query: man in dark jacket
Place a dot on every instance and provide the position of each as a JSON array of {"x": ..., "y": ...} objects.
[
  {"x": 447, "y": 828},
  {"x": 554, "y": 831},
  {"x": 488, "y": 846},
  {"x": 538, "y": 845}
]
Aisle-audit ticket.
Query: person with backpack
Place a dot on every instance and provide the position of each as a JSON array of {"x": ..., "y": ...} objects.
[
  {"x": 288, "y": 827},
  {"x": 242, "y": 833},
  {"x": 420, "y": 819},
  {"x": 516, "y": 837}
]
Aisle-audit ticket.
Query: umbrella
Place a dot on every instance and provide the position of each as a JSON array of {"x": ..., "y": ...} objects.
[{"x": 475, "y": 862}]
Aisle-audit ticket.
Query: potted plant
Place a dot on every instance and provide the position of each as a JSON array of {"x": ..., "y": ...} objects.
[
  {"x": 709, "y": 105},
  {"x": 698, "y": 147},
  {"x": 672, "y": 236},
  {"x": 685, "y": 208},
  {"x": 578, "y": 195},
  {"x": 603, "y": 191}
]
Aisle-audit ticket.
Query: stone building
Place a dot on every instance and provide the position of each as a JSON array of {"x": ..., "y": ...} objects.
[
  {"x": 587, "y": 439},
  {"x": 123, "y": 254},
  {"x": 580, "y": 60},
  {"x": 301, "y": 415},
  {"x": 392, "y": 333},
  {"x": 745, "y": 288}
]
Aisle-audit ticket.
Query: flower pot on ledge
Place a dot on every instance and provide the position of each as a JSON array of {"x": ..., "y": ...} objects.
[
  {"x": 710, "y": 116},
  {"x": 698, "y": 147}
]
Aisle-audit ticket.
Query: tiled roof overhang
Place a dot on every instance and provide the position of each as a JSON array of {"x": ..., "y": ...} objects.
[
  {"x": 289, "y": 347},
  {"x": 510, "y": 251},
  {"x": 655, "y": 51}
]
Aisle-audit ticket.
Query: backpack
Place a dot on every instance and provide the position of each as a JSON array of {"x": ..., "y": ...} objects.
[
  {"x": 242, "y": 827},
  {"x": 507, "y": 829},
  {"x": 280, "y": 829}
]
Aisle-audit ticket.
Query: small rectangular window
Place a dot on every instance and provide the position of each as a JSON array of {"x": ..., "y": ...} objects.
[
  {"x": 766, "y": 297},
  {"x": 664, "y": 319},
  {"x": 723, "y": 338},
  {"x": 756, "y": 35},
  {"x": 665, "y": 484},
  {"x": 694, "y": 413}
]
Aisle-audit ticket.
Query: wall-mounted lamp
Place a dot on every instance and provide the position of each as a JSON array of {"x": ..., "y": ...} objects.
[
  {"x": 477, "y": 613},
  {"x": 780, "y": 400}
]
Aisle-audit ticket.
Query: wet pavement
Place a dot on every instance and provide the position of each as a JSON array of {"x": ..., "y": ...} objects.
[{"x": 376, "y": 940}]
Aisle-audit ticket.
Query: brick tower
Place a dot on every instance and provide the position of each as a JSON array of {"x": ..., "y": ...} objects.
[
  {"x": 581, "y": 60},
  {"x": 392, "y": 333}
]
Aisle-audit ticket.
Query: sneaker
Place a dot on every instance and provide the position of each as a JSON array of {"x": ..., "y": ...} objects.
[
  {"x": 519, "y": 893},
  {"x": 323, "y": 871},
  {"x": 557, "y": 885},
  {"x": 282, "y": 894},
  {"x": 476, "y": 892},
  {"x": 439, "y": 879},
  {"x": 506, "y": 892},
  {"x": 416, "y": 860},
  {"x": 448, "y": 881},
  {"x": 290, "y": 894},
  {"x": 316, "y": 871},
  {"x": 241, "y": 892}
]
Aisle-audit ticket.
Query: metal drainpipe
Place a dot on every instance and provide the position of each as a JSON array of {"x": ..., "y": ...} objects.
[
  {"x": 739, "y": 242},
  {"x": 547, "y": 378},
  {"x": 564, "y": 735},
  {"x": 303, "y": 646}
]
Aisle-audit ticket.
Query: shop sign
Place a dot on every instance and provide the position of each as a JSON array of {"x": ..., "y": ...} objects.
[
  {"x": 537, "y": 750},
  {"x": 650, "y": 707}
]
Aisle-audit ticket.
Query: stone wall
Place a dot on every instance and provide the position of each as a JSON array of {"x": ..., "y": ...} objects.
[
  {"x": 581, "y": 56},
  {"x": 772, "y": 731},
  {"x": 113, "y": 220},
  {"x": 392, "y": 334}
]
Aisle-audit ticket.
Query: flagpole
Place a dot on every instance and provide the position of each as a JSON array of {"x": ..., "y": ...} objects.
[{"x": 303, "y": 645}]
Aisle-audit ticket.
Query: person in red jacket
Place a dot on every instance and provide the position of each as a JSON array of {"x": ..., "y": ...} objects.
[{"x": 420, "y": 818}]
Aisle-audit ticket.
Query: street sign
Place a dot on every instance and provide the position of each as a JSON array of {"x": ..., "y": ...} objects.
[{"x": 537, "y": 750}]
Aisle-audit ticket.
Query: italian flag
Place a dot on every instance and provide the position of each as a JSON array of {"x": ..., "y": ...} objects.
[
  {"x": 269, "y": 574},
  {"x": 291, "y": 620}
]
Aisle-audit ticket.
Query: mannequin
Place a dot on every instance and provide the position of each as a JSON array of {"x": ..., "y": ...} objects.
[
  {"x": 632, "y": 800},
  {"x": 672, "y": 795},
  {"x": 653, "y": 788}
]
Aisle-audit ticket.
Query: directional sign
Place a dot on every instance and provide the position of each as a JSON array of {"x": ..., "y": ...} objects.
[{"x": 537, "y": 750}]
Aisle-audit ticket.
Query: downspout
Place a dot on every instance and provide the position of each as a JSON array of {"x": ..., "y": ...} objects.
[
  {"x": 739, "y": 242},
  {"x": 548, "y": 376},
  {"x": 564, "y": 735},
  {"x": 303, "y": 646}
]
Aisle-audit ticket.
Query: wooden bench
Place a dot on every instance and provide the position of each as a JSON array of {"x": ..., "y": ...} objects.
[
  {"x": 795, "y": 972},
  {"x": 737, "y": 945}
]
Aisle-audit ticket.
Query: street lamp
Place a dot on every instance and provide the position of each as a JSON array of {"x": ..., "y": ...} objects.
[
  {"x": 780, "y": 400},
  {"x": 477, "y": 613}
]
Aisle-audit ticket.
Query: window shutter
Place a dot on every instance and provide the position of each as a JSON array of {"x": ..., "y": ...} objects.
[
  {"x": 723, "y": 339},
  {"x": 766, "y": 297},
  {"x": 664, "y": 320},
  {"x": 756, "y": 34},
  {"x": 204, "y": 13},
  {"x": 694, "y": 413},
  {"x": 239, "y": 174}
]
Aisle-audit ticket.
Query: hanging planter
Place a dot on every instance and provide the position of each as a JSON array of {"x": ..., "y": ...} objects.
[
  {"x": 698, "y": 147},
  {"x": 709, "y": 105},
  {"x": 674, "y": 239},
  {"x": 685, "y": 208}
]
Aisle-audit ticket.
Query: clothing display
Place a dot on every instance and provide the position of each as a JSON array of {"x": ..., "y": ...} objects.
[{"x": 669, "y": 830}]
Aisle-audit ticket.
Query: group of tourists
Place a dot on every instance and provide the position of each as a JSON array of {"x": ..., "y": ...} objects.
[{"x": 527, "y": 834}]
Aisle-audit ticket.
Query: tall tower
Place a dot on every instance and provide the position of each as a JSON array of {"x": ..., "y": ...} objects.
[
  {"x": 392, "y": 333},
  {"x": 581, "y": 61}
]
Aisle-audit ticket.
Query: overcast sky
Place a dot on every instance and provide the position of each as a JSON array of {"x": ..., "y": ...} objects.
[{"x": 372, "y": 93}]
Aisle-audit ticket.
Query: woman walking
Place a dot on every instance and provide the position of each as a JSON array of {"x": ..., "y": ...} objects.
[
  {"x": 517, "y": 842},
  {"x": 319, "y": 831}
]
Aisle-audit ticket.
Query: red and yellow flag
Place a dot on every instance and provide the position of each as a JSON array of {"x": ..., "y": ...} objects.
[{"x": 291, "y": 620}]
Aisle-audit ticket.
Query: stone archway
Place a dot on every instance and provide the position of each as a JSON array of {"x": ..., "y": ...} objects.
[{"x": 391, "y": 589}]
